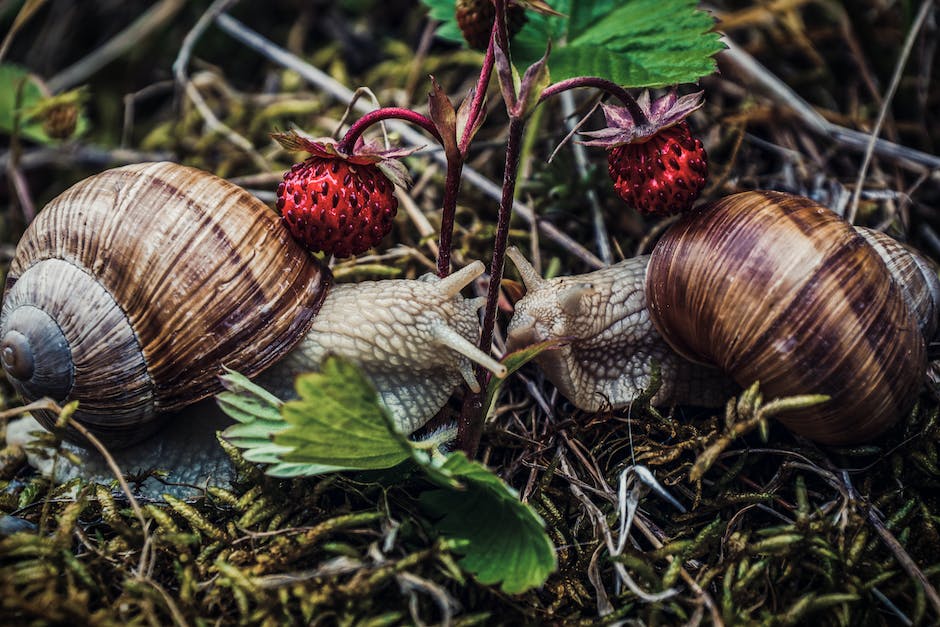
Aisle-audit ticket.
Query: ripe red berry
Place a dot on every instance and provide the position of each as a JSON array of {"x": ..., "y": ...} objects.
[
  {"x": 337, "y": 206},
  {"x": 662, "y": 175}
]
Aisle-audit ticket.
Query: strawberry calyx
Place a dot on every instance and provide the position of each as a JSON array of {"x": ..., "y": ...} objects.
[
  {"x": 363, "y": 153},
  {"x": 660, "y": 113}
]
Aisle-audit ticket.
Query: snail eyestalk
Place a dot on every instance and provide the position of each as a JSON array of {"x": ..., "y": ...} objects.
[
  {"x": 453, "y": 340},
  {"x": 452, "y": 284},
  {"x": 530, "y": 278}
]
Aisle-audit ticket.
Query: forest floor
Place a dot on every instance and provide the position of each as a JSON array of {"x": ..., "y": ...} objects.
[{"x": 775, "y": 529}]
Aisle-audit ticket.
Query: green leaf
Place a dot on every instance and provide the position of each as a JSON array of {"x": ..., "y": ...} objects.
[
  {"x": 340, "y": 422},
  {"x": 502, "y": 540},
  {"x": 33, "y": 94},
  {"x": 443, "y": 12},
  {"x": 258, "y": 413},
  {"x": 637, "y": 43},
  {"x": 513, "y": 361}
]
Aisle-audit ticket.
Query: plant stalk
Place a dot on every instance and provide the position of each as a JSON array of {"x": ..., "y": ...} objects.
[
  {"x": 470, "y": 426},
  {"x": 455, "y": 163},
  {"x": 604, "y": 85},
  {"x": 355, "y": 131},
  {"x": 479, "y": 95},
  {"x": 448, "y": 213}
]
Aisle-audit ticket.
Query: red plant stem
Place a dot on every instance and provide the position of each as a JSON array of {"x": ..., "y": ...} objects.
[
  {"x": 603, "y": 84},
  {"x": 386, "y": 113},
  {"x": 455, "y": 164},
  {"x": 470, "y": 425},
  {"x": 451, "y": 187},
  {"x": 476, "y": 106},
  {"x": 501, "y": 28}
]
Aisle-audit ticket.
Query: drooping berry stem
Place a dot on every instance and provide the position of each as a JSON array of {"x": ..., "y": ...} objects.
[
  {"x": 470, "y": 426},
  {"x": 603, "y": 84},
  {"x": 386, "y": 113}
]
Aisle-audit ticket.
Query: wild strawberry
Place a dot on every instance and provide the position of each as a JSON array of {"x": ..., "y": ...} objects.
[
  {"x": 475, "y": 19},
  {"x": 337, "y": 203},
  {"x": 656, "y": 165},
  {"x": 663, "y": 175}
]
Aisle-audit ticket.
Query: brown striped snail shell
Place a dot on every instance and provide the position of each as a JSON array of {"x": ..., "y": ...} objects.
[
  {"x": 793, "y": 296},
  {"x": 133, "y": 289},
  {"x": 764, "y": 285}
]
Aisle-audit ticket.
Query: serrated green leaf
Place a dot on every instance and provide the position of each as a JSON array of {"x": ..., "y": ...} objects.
[
  {"x": 638, "y": 43},
  {"x": 237, "y": 383},
  {"x": 258, "y": 416},
  {"x": 265, "y": 453},
  {"x": 260, "y": 430},
  {"x": 248, "y": 409},
  {"x": 501, "y": 539},
  {"x": 339, "y": 422},
  {"x": 641, "y": 43}
]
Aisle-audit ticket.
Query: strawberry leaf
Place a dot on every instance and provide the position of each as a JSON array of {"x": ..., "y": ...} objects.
[
  {"x": 639, "y": 43},
  {"x": 502, "y": 540},
  {"x": 258, "y": 413},
  {"x": 340, "y": 422}
]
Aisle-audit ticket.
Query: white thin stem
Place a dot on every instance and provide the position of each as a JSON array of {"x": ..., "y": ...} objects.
[{"x": 850, "y": 138}]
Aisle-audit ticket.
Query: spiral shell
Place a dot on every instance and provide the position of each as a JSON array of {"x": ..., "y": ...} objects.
[
  {"x": 132, "y": 289},
  {"x": 777, "y": 288}
]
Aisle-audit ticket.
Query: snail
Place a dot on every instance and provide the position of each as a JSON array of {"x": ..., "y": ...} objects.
[
  {"x": 767, "y": 287},
  {"x": 132, "y": 290}
]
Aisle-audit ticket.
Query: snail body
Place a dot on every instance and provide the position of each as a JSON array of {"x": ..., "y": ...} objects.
[
  {"x": 133, "y": 289},
  {"x": 764, "y": 286}
]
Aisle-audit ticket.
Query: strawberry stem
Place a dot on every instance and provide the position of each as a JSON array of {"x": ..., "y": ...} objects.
[
  {"x": 604, "y": 85},
  {"x": 451, "y": 187},
  {"x": 355, "y": 131},
  {"x": 476, "y": 107},
  {"x": 454, "y": 169},
  {"x": 500, "y": 27},
  {"x": 470, "y": 425}
]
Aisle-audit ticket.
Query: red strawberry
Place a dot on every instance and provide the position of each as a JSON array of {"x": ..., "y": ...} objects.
[
  {"x": 662, "y": 175},
  {"x": 336, "y": 206},
  {"x": 475, "y": 19},
  {"x": 655, "y": 163},
  {"x": 339, "y": 203}
]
